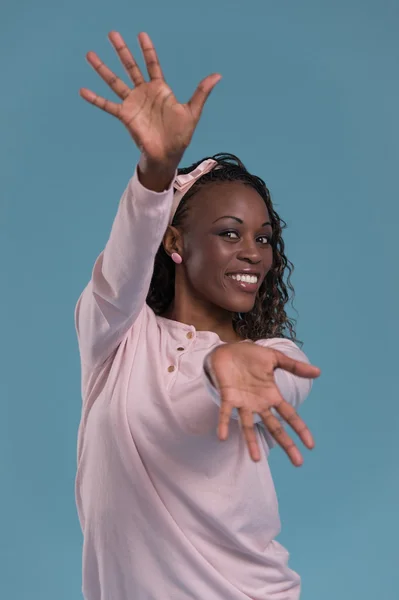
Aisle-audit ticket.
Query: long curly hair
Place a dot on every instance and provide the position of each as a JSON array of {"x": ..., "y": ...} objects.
[{"x": 268, "y": 318}]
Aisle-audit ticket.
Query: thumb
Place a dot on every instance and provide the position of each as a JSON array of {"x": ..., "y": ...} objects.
[
  {"x": 201, "y": 94},
  {"x": 296, "y": 367}
]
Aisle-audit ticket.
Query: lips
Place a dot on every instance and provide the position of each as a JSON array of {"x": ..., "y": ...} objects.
[{"x": 245, "y": 281}]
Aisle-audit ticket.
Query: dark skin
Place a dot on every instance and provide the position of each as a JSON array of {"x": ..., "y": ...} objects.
[
  {"x": 162, "y": 129},
  {"x": 213, "y": 245},
  {"x": 228, "y": 229}
]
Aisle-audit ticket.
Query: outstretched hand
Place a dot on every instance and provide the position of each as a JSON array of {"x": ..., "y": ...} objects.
[
  {"x": 244, "y": 376},
  {"x": 161, "y": 127}
]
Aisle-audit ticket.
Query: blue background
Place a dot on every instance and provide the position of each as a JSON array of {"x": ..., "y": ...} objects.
[{"x": 309, "y": 100}]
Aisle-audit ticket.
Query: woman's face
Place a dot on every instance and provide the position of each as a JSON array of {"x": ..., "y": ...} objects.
[{"x": 226, "y": 245}]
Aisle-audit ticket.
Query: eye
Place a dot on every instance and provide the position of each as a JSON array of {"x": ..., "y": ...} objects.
[
  {"x": 232, "y": 235},
  {"x": 265, "y": 239}
]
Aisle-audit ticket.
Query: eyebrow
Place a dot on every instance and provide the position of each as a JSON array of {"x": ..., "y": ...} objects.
[{"x": 240, "y": 220}]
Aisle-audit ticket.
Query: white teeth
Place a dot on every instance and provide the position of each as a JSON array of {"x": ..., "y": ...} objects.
[{"x": 245, "y": 278}]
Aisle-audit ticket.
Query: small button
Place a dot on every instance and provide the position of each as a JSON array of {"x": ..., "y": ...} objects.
[
  {"x": 180, "y": 348},
  {"x": 189, "y": 335},
  {"x": 171, "y": 369}
]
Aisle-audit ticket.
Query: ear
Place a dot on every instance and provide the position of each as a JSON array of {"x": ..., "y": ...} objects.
[{"x": 172, "y": 241}]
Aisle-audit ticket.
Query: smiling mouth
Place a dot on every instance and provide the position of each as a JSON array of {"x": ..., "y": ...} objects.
[
  {"x": 244, "y": 282},
  {"x": 243, "y": 277}
]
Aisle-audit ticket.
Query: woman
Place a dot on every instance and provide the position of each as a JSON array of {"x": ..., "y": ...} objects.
[{"x": 190, "y": 277}]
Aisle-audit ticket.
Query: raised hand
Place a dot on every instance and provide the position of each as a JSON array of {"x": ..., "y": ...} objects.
[
  {"x": 244, "y": 376},
  {"x": 160, "y": 126}
]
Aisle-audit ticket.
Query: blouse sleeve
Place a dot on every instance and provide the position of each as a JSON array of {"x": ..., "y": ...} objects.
[
  {"x": 293, "y": 389},
  {"x": 116, "y": 293}
]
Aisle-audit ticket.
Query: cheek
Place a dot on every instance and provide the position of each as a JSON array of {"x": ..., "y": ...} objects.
[
  {"x": 209, "y": 258},
  {"x": 269, "y": 259}
]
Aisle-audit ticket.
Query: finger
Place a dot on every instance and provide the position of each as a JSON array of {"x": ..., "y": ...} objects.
[
  {"x": 201, "y": 94},
  {"x": 282, "y": 438},
  {"x": 126, "y": 58},
  {"x": 110, "y": 107},
  {"x": 297, "y": 367},
  {"x": 117, "y": 85},
  {"x": 150, "y": 57},
  {"x": 247, "y": 425},
  {"x": 224, "y": 419},
  {"x": 289, "y": 414}
]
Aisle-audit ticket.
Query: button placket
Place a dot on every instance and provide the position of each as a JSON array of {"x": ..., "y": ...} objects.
[{"x": 172, "y": 369}]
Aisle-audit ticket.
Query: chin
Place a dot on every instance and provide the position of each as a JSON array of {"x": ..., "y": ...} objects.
[
  {"x": 238, "y": 305},
  {"x": 237, "y": 297}
]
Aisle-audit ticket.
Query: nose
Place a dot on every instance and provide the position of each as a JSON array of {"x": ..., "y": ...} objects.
[{"x": 250, "y": 253}]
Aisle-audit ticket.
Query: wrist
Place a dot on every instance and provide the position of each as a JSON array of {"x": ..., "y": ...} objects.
[
  {"x": 208, "y": 370},
  {"x": 156, "y": 176}
]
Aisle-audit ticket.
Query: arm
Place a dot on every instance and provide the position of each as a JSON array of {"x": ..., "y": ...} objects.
[
  {"x": 117, "y": 290},
  {"x": 162, "y": 129}
]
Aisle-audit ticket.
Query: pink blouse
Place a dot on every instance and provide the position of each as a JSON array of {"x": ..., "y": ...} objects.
[{"x": 167, "y": 510}]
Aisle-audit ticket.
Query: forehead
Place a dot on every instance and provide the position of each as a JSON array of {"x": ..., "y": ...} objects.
[{"x": 234, "y": 198}]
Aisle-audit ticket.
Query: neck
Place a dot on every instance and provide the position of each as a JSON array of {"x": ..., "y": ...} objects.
[{"x": 203, "y": 318}]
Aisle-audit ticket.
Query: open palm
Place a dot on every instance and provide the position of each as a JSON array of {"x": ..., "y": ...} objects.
[
  {"x": 161, "y": 127},
  {"x": 244, "y": 376}
]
